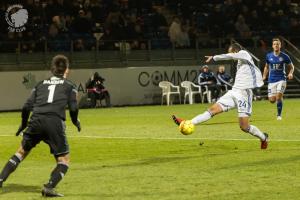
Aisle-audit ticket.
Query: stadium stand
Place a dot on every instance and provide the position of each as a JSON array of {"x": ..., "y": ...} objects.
[{"x": 66, "y": 25}]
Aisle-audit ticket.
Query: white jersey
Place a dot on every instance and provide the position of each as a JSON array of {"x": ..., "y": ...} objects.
[{"x": 248, "y": 76}]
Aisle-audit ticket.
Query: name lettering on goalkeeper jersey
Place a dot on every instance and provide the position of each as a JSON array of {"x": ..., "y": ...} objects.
[{"x": 53, "y": 82}]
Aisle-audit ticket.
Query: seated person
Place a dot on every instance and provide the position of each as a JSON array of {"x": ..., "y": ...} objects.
[
  {"x": 224, "y": 80},
  {"x": 96, "y": 90},
  {"x": 207, "y": 78}
]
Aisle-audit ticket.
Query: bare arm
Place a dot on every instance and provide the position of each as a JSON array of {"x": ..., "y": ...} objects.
[
  {"x": 266, "y": 71},
  {"x": 291, "y": 71}
]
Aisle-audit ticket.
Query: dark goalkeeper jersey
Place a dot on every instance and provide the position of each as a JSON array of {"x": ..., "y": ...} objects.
[{"x": 51, "y": 96}]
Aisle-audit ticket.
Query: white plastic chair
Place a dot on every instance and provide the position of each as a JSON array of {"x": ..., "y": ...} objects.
[
  {"x": 169, "y": 89},
  {"x": 207, "y": 92},
  {"x": 189, "y": 92}
]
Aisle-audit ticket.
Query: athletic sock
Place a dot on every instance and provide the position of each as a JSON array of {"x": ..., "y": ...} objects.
[
  {"x": 10, "y": 166},
  {"x": 202, "y": 118},
  {"x": 279, "y": 107},
  {"x": 57, "y": 174},
  {"x": 253, "y": 130}
]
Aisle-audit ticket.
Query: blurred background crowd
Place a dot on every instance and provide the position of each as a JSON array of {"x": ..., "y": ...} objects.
[{"x": 80, "y": 23}]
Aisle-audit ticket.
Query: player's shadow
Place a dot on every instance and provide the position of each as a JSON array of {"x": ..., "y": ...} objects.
[
  {"x": 150, "y": 161},
  {"x": 231, "y": 122},
  {"x": 19, "y": 188},
  {"x": 267, "y": 162}
]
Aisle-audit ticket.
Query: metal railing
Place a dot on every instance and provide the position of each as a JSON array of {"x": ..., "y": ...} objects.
[
  {"x": 97, "y": 51},
  {"x": 122, "y": 52},
  {"x": 256, "y": 59},
  {"x": 294, "y": 52}
]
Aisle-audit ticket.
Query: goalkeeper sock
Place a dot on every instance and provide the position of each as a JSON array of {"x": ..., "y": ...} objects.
[
  {"x": 10, "y": 166},
  {"x": 202, "y": 118},
  {"x": 57, "y": 174},
  {"x": 253, "y": 130},
  {"x": 279, "y": 107}
]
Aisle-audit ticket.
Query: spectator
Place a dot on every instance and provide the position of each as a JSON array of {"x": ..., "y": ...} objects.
[
  {"x": 254, "y": 21},
  {"x": 96, "y": 90},
  {"x": 175, "y": 30},
  {"x": 185, "y": 38},
  {"x": 56, "y": 40},
  {"x": 224, "y": 80},
  {"x": 11, "y": 43},
  {"x": 177, "y": 36},
  {"x": 159, "y": 21},
  {"x": 81, "y": 25},
  {"x": 28, "y": 42},
  {"x": 216, "y": 22},
  {"x": 207, "y": 79},
  {"x": 242, "y": 28},
  {"x": 98, "y": 11}
]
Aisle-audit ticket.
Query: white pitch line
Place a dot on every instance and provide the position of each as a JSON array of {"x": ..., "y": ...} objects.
[{"x": 155, "y": 138}]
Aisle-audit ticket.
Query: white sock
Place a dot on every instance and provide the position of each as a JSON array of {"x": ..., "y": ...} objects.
[
  {"x": 253, "y": 130},
  {"x": 201, "y": 118}
]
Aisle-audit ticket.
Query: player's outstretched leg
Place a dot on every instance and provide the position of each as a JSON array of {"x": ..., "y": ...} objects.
[
  {"x": 253, "y": 130},
  {"x": 212, "y": 111},
  {"x": 196, "y": 120},
  {"x": 10, "y": 167},
  {"x": 12, "y": 164},
  {"x": 56, "y": 176}
]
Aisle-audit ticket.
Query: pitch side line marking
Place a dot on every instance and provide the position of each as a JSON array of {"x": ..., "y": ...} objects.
[{"x": 153, "y": 138}]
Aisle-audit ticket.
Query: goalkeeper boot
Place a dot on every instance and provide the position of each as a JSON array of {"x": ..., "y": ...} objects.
[
  {"x": 264, "y": 143},
  {"x": 176, "y": 120},
  {"x": 50, "y": 192}
]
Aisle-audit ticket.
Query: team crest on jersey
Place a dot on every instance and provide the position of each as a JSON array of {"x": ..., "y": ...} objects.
[
  {"x": 29, "y": 81},
  {"x": 280, "y": 59}
]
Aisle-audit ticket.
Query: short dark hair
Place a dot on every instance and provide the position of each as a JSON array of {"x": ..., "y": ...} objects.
[
  {"x": 59, "y": 65},
  {"x": 276, "y": 39},
  {"x": 236, "y": 47}
]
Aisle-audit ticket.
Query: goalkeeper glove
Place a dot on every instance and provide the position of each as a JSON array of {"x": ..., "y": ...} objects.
[
  {"x": 21, "y": 128},
  {"x": 77, "y": 124}
]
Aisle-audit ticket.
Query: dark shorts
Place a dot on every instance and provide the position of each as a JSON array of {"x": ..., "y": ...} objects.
[{"x": 50, "y": 129}]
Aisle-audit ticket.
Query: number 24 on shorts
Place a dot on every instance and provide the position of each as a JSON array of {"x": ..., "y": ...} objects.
[{"x": 242, "y": 104}]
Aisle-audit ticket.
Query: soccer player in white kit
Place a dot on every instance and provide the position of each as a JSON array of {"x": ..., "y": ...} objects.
[{"x": 248, "y": 77}]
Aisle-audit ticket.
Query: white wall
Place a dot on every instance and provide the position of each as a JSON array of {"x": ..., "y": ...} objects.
[{"x": 127, "y": 86}]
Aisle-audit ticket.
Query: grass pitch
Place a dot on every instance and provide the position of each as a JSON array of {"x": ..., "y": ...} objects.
[{"x": 138, "y": 153}]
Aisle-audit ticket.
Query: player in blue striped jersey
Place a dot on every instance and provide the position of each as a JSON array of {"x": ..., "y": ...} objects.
[{"x": 275, "y": 69}]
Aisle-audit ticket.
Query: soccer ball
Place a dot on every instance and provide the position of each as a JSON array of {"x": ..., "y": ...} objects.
[{"x": 186, "y": 127}]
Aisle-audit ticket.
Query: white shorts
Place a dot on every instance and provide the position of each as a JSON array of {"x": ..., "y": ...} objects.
[
  {"x": 275, "y": 88},
  {"x": 237, "y": 98}
]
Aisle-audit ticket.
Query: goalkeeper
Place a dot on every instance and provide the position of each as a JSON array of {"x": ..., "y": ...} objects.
[{"x": 47, "y": 103}]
